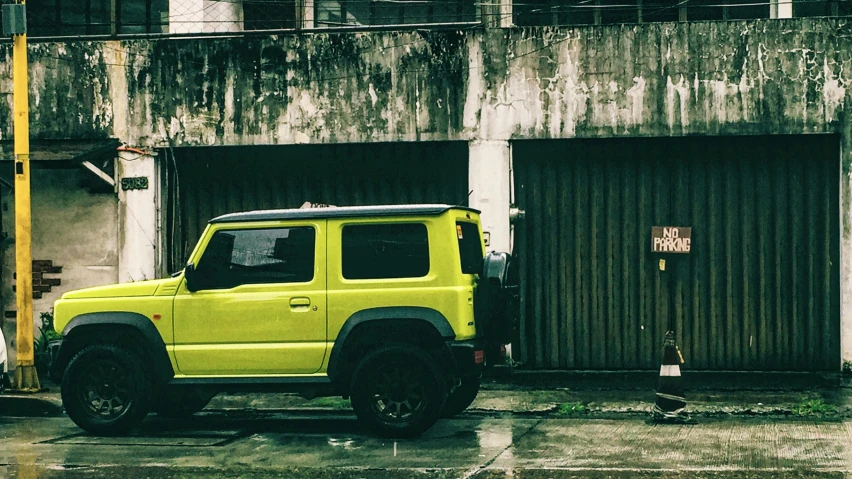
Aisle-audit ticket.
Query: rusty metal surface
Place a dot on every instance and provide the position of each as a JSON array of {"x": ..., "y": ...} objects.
[
  {"x": 215, "y": 181},
  {"x": 758, "y": 291}
]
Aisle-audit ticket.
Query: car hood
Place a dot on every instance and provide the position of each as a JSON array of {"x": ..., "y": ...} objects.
[{"x": 141, "y": 288}]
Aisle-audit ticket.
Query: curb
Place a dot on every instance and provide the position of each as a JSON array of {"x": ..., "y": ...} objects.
[{"x": 30, "y": 405}]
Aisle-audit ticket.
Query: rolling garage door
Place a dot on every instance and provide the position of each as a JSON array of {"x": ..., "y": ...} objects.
[
  {"x": 212, "y": 181},
  {"x": 758, "y": 291}
]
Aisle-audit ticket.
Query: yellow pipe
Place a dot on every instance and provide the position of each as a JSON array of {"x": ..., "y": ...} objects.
[{"x": 26, "y": 378}]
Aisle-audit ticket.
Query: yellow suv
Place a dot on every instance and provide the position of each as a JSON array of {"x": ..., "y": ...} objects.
[{"x": 395, "y": 307}]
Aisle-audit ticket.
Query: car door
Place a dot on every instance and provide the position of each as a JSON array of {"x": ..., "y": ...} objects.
[{"x": 260, "y": 307}]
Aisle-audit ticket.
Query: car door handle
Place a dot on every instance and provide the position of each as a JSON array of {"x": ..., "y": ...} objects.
[{"x": 300, "y": 303}]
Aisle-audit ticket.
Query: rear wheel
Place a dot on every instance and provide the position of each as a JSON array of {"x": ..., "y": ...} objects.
[
  {"x": 462, "y": 397},
  {"x": 398, "y": 391},
  {"x": 105, "y": 390}
]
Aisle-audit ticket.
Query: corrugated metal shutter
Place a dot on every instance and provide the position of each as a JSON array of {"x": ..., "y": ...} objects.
[
  {"x": 214, "y": 181},
  {"x": 758, "y": 292}
]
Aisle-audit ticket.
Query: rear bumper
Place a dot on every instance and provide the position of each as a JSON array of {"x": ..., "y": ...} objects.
[{"x": 468, "y": 357}]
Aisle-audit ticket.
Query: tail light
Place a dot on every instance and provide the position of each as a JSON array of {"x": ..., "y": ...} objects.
[{"x": 479, "y": 356}]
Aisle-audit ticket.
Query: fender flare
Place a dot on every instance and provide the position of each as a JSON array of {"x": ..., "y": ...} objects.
[
  {"x": 426, "y": 315},
  {"x": 160, "y": 367}
]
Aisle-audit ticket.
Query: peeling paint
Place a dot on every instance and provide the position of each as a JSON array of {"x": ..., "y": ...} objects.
[
  {"x": 489, "y": 85},
  {"x": 833, "y": 93},
  {"x": 677, "y": 96}
]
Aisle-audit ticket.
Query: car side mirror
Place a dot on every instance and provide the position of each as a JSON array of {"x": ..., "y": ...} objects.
[{"x": 191, "y": 277}]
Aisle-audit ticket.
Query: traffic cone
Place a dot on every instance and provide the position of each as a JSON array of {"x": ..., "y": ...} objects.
[{"x": 670, "y": 406}]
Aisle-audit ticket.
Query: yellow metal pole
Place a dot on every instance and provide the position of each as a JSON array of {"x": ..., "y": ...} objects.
[{"x": 26, "y": 378}]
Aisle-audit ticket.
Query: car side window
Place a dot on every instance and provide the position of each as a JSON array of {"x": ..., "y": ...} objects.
[
  {"x": 385, "y": 251},
  {"x": 470, "y": 247},
  {"x": 258, "y": 256}
]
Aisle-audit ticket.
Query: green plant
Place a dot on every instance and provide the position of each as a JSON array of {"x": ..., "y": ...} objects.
[
  {"x": 570, "y": 408},
  {"x": 813, "y": 407},
  {"x": 41, "y": 349},
  {"x": 511, "y": 362}
]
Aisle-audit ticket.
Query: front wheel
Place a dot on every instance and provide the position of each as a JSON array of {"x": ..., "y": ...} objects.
[
  {"x": 462, "y": 397},
  {"x": 398, "y": 391},
  {"x": 105, "y": 391}
]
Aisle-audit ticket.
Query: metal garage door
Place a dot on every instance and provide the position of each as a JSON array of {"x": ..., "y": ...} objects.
[
  {"x": 759, "y": 290},
  {"x": 213, "y": 181}
]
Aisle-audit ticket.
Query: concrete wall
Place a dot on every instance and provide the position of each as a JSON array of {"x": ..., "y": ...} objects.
[
  {"x": 485, "y": 86},
  {"x": 767, "y": 76},
  {"x": 73, "y": 228}
]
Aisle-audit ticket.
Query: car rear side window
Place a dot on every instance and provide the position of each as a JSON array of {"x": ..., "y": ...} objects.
[
  {"x": 385, "y": 251},
  {"x": 258, "y": 256},
  {"x": 470, "y": 247}
]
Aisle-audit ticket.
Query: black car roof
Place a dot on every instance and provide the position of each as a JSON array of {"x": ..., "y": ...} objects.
[{"x": 338, "y": 212}]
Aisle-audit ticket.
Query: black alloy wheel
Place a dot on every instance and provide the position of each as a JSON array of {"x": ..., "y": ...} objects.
[
  {"x": 398, "y": 391},
  {"x": 105, "y": 391}
]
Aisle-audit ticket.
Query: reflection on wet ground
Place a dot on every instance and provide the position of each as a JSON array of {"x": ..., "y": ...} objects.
[{"x": 249, "y": 444}]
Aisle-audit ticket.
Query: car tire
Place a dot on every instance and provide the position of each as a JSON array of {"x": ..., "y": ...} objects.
[
  {"x": 462, "y": 397},
  {"x": 105, "y": 390},
  {"x": 175, "y": 402},
  {"x": 181, "y": 402},
  {"x": 398, "y": 391}
]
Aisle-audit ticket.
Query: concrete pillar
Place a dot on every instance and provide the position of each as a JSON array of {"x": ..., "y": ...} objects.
[
  {"x": 138, "y": 236},
  {"x": 196, "y": 16},
  {"x": 781, "y": 9},
  {"x": 489, "y": 177}
]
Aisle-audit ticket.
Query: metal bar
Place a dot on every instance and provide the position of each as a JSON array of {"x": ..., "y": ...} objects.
[
  {"x": 812, "y": 217},
  {"x": 88, "y": 15},
  {"x": 764, "y": 351},
  {"x": 551, "y": 286},
  {"x": 26, "y": 377},
  {"x": 100, "y": 173},
  {"x": 612, "y": 231},
  {"x": 534, "y": 220},
  {"x": 796, "y": 218},
  {"x": 714, "y": 193},
  {"x": 58, "y": 15},
  {"x": 115, "y": 16},
  {"x": 581, "y": 265},
  {"x": 566, "y": 283}
]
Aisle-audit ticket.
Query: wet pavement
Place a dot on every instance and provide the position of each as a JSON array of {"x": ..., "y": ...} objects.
[{"x": 246, "y": 443}]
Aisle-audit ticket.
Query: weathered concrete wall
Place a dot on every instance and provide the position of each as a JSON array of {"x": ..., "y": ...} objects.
[
  {"x": 486, "y": 86},
  {"x": 769, "y": 76},
  {"x": 73, "y": 228}
]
